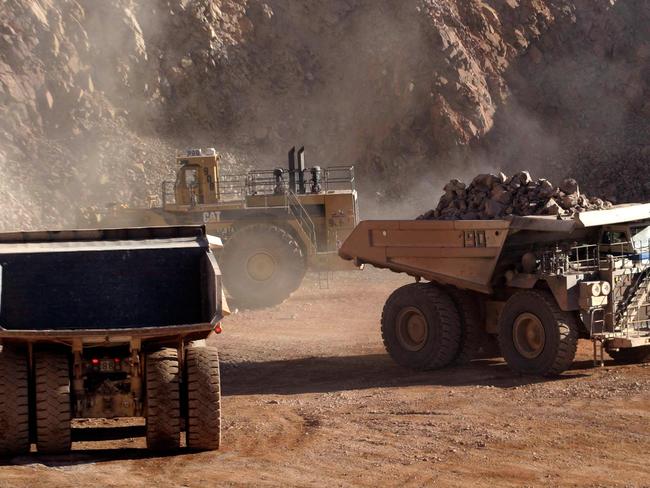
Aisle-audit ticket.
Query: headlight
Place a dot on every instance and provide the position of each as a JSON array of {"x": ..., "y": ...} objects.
[
  {"x": 605, "y": 288},
  {"x": 595, "y": 289}
]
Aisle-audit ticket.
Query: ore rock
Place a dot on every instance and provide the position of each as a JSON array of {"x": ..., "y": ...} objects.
[
  {"x": 569, "y": 186},
  {"x": 491, "y": 196}
]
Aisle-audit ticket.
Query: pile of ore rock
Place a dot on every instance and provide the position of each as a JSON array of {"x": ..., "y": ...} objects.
[{"x": 491, "y": 196}]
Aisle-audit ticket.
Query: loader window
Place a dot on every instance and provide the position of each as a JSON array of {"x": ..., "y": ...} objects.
[{"x": 191, "y": 178}]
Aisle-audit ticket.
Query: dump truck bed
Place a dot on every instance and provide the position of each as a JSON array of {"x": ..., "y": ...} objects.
[
  {"x": 465, "y": 253},
  {"x": 434, "y": 250},
  {"x": 104, "y": 285}
]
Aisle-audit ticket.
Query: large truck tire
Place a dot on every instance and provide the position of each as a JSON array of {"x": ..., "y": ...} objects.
[
  {"x": 473, "y": 335},
  {"x": 203, "y": 425},
  {"x": 633, "y": 355},
  {"x": 163, "y": 400},
  {"x": 14, "y": 402},
  {"x": 535, "y": 336},
  {"x": 420, "y": 327},
  {"x": 53, "y": 413},
  {"x": 262, "y": 265}
]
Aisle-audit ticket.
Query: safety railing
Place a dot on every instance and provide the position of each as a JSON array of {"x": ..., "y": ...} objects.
[
  {"x": 588, "y": 257},
  {"x": 637, "y": 251},
  {"x": 570, "y": 259},
  {"x": 266, "y": 182},
  {"x": 339, "y": 178},
  {"x": 232, "y": 187},
  {"x": 263, "y": 182},
  {"x": 597, "y": 321}
]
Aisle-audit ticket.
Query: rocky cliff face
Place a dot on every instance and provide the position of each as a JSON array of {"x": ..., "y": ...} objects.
[{"x": 95, "y": 96}]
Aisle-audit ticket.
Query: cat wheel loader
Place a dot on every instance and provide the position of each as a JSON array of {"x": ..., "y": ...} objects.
[{"x": 275, "y": 224}]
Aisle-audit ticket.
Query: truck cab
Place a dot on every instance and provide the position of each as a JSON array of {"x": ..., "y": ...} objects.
[{"x": 631, "y": 240}]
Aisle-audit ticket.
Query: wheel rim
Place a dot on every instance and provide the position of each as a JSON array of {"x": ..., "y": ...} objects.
[
  {"x": 411, "y": 329},
  {"x": 528, "y": 335},
  {"x": 261, "y": 266}
]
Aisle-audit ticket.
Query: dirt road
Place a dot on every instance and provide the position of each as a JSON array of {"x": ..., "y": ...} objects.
[{"x": 311, "y": 399}]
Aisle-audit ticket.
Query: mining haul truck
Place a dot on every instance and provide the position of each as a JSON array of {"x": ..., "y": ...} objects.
[
  {"x": 275, "y": 224},
  {"x": 536, "y": 283},
  {"x": 108, "y": 324}
]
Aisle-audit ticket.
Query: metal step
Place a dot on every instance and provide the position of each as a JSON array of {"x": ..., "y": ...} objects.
[
  {"x": 301, "y": 215},
  {"x": 631, "y": 308}
]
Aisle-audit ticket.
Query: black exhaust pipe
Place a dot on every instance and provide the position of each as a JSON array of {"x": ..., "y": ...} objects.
[
  {"x": 292, "y": 169},
  {"x": 301, "y": 170}
]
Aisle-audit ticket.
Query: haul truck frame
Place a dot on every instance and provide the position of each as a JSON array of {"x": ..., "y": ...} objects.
[
  {"x": 106, "y": 324},
  {"x": 536, "y": 283}
]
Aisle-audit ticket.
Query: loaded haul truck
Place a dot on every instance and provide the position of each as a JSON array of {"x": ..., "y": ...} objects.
[{"x": 536, "y": 283}]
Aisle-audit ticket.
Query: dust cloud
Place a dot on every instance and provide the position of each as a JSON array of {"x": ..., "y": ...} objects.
[{"x": 95, "y": 97}]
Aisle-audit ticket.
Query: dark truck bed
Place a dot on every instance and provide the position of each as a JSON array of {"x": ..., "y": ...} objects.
[
  {"x": 147, "y": 281},
  {"x": 108, "y": 324}
]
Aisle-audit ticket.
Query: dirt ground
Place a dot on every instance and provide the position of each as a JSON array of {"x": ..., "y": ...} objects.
[{"x": 312, "y": 399}]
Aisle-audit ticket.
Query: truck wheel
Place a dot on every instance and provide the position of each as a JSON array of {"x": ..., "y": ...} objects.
[
  {"x": 420, "y": 327},
  {"x": 163, "y": 400},
  {"x": 632, "y": 355},
  {"x": 203, "y": 425},
  {"x": 14, "y": 402},
  {"x": 52, "y": 378},
  {"x": 472, "y": 336},
  {"x": 262, "y": 265},
  {"x": 535, "y": 336}
]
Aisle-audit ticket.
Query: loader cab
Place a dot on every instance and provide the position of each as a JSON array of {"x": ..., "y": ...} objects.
[{"x": 197, "y": 179}]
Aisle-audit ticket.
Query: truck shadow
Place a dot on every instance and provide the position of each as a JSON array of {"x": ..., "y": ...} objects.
[
  {"x": 338, "y": 373},
  {"x": 99, "y": 453},
  {"x": 303, "y": 375},
  {"x": 87, "y": 456}
]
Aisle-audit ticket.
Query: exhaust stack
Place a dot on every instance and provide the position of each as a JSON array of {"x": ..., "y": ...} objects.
[
  {"x": 292, "y": 169},
  {"x": 301, "y": 170}
]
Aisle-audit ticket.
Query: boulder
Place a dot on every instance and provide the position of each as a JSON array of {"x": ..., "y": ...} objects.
[
  {"x": 491, "y": 196},
  {"x": 569, "y": 186}
]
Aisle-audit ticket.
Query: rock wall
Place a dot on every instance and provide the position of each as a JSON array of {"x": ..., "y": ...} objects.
[
  {"x": 579, "y": 100},
  {"x": 96, "y": 96}
]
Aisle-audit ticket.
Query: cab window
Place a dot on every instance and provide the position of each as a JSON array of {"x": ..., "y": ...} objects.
[
  {"x": 613, "y": 237},
  {"x": 641, "y": 236},
  {"x": 191, "y": 177}
]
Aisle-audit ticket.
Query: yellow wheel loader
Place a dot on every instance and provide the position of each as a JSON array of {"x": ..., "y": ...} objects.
[{"x": 275, "y": 224}]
